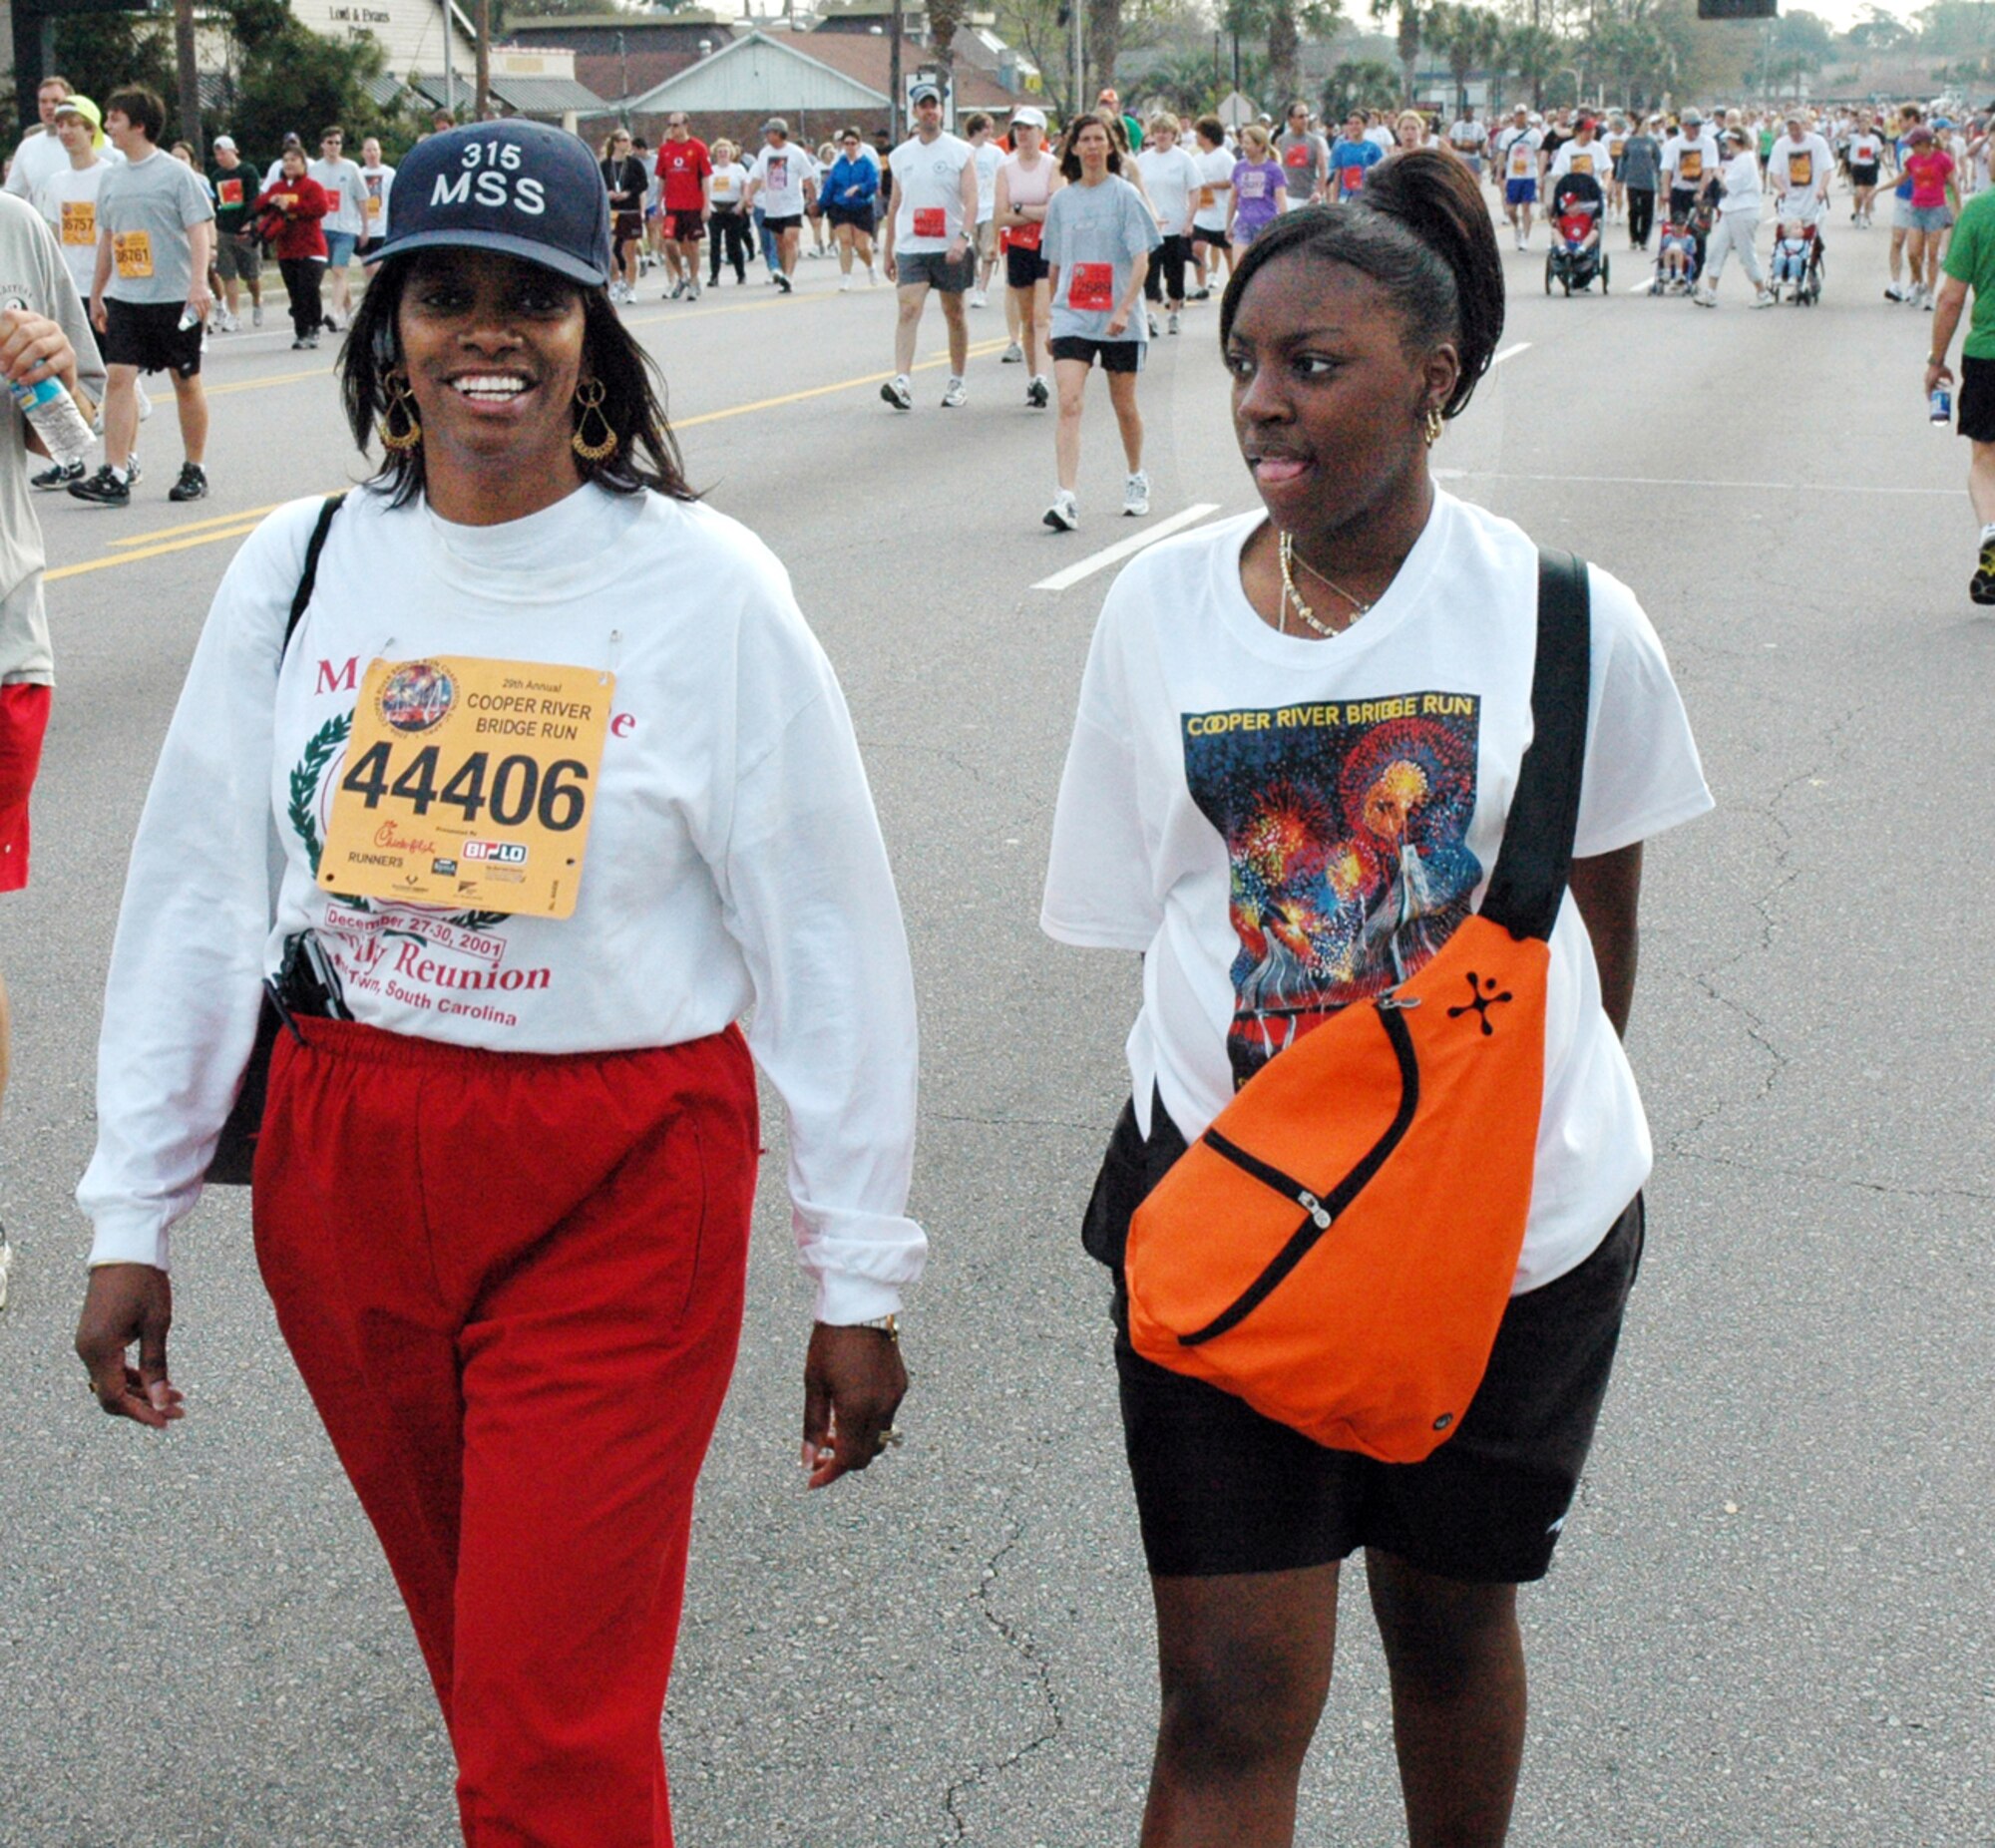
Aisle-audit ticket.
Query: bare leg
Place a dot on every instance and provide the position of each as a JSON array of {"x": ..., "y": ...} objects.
[
  {"x": 1245, "y": 1663},
  {"x": 843, "y": 232},
  {"x": 1457, "y": 1663},
  {"x": 958, "y": 323},
  {"x": 121, "y": 414},
  {"x": 191, "y": 402},
  {"x": 1980, "y": 494},
  {"x": 1122, "y": 395},
  {"x": 1070, "y": 376},
  {"x": 914, "y": 297},
  {"x": 788, "y": 250}
]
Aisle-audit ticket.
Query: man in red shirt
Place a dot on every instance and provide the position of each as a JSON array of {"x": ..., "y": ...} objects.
[{"x": 686, "y": 172}]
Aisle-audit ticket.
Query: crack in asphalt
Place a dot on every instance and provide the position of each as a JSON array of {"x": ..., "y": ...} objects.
[
  {"x": 1020, "y": 1644},
  {"x": 1757, "y": 1027},
  {"x": 1885, "y": 1188}
]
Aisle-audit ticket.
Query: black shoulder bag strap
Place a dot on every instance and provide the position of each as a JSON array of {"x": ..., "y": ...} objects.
[
  {"x": 235, "y": 1152},
  {"x": 1535, "y": 859},
  {"x": 308, "y": 578}
]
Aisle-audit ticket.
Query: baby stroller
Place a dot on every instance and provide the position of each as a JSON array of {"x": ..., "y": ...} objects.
[
  {"x": 1677, "y": 265},
  {"x": 1575, "y": 258},
  {"x": 1797, "y": 262}
]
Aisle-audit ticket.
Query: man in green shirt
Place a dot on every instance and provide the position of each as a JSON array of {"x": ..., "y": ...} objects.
[
  {"x": 239, "y": 252},
  {"x": 1970, "y": 265}
]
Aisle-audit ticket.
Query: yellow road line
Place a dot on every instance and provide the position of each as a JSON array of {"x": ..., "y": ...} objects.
[
  {"x": 195, "y": 526},
  {"x": 275, "y": 378},
  {"x": 230, "y": 526}
]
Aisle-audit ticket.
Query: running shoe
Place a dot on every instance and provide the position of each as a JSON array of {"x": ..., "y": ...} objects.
[
  {"x": 679, "y": 288},
  {"x": 1136, "y": 495},
  {"x": 1981, "y": 586},
  {"x": 1704, "y": 297},
  {"x": 845, "y": 283},
  {"x": 1037, "y": 394},
  {"x": 1171, "y": 325},
  {"x": 257, "y": 314},
  {"x": 872, "y": 277},
  {"x": 1012, "y": 355},
  {"x": 977, "y": 299},
  {"x": 1155, "y": 330},
  {"x": 134, "y": 475},
  {"x": 1892, "y": 292},
  {"x": 1765, "y": 299},
  {"x": 57, "y": 475},
  {"x": 899, "y": 393},
  {"x": 104, "y": 489},
  {"x": 145, "y": 401},
  {"x": 191, "y": 485},
  {"x": 1064, "y": 513},
  {"x": 1199, "y": 296},
  {"x": 693, "y": 292},
  {"x": 1926, "y": 297},
  {"x": 783, "y": 283},
  {"x": 953, "y": 394}
]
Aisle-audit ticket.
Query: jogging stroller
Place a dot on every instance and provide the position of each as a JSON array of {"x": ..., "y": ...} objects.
[
  {"x": 1576, "y": 257},
  {"x": 1679, "y": 251},
  {"x": 1797, "y": 266}
]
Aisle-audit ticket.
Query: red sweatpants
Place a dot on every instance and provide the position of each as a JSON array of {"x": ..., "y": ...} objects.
[{"x": 513, "y": 1283}]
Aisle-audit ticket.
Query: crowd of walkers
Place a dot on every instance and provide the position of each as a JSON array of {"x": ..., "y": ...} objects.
[{"x": 1298, "y": 787}]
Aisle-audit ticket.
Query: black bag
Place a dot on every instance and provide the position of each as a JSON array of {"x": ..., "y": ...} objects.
[{"x": 235, "y": 1155}]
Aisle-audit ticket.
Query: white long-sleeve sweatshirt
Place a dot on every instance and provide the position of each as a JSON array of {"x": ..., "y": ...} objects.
[{"x": 734, "y": 864}]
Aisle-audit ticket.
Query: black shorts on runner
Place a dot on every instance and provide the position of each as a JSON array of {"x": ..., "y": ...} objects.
[
  {"x": 685, "y": 226},
  {"x": 625, "y": 227},
  {"x": 1221, "y": 1489},
  {"x": 1864, "y": 174},
  {"x": 789, "y": 223},
  {"x": 1219, "y": 240},
  {"x": 1977, "y": 398},
  {"x": 1023, "y": 268},
  {"x": 149, "y": 335},
  {"x": 1114, "y": 355},
  {"x": 860, "y": 217}
]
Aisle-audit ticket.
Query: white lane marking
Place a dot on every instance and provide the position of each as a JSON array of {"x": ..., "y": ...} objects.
[
  {"x": 1650, "y": 480},
  {"x": 1511, "y": 352},
  {"x": 1122, "y": 548}
]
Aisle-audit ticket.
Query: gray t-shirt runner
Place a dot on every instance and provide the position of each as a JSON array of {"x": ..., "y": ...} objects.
[
  {"x": 33, "y": 276},
  {"x": 1094, "y": 236},
  {"x": 1641, "y": 161},
  {"x": 1305, "y": 162},
  {"x": 146, "y": 209}
]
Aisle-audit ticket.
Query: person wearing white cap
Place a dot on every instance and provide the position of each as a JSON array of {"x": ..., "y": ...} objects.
[
  {"x": 1026, "y": 181},
  {"x": 1738, "y": 223},
  {"x": 782, "y": 182},
  {"x": 926, "y": 246},
  {"x": 238, "y": 251},
  {"x": 1520, "y": 159}
]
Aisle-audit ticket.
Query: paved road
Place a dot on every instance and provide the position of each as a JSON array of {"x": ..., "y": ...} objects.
[{"x": 1771, "y": 1619}]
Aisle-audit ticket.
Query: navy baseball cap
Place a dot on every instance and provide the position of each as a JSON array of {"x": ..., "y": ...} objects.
[{"x": 517, "y": 187}]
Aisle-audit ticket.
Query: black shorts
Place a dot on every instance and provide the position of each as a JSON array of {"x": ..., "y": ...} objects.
[
  {"x": 685, "y": 226},
  {"x": 625, "y": 227},
  {"x": 1114, "y": 355},
  {"x": 149, "y": 335},
  {"x": 1977, "y": 398},
  {"x": 1023, "y": 268},
  {"x": 787, "y": 223},
  {"x": 1864, "y": 174},
  {"x": 860, "y": 217},
  {"x": 1221, "y": 1489},
  {"x": 1218, "y": 240}
]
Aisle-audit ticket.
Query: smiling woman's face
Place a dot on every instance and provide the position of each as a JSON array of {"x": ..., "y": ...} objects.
[{"x": 493, "y": 347}]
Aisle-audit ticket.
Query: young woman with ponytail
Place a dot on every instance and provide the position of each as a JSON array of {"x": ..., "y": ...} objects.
[{"x": 1300, "y": 735}]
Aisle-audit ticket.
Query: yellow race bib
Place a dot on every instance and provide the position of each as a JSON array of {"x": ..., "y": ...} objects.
[
  {"x": 469, "y": 783},
  {"x": 79, "y": 221},
  {"x": 133, "y": 252}
]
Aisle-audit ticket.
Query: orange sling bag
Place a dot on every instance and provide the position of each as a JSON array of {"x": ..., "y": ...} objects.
[{"x": 1337, "y": 1249}]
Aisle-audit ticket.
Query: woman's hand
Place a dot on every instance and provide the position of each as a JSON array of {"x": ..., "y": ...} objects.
[
  {"x": 853, "y": 1384},
  {"x": 129, "y": 1303}
]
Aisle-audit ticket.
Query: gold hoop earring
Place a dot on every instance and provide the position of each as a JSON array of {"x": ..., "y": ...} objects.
[
  {"x": 402, "y": 404},
  {"x": 1435, "y": 425},
  {"x": 588, "y": 396}
]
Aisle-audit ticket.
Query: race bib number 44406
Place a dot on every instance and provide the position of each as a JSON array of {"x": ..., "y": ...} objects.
[{"x": 469, "y": 783}]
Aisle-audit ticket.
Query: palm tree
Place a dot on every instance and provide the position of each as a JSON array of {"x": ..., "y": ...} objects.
[
  {"x": 1412, "y": 19},
  {"x": 1470, "y": 37},
  {"x": 1535, "y": 53}
]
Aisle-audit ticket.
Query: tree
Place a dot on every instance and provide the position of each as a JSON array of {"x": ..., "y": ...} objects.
[
  {"x": 1104, "y": 41},
  {"x": 290, "y": 78},
  {"x": 945, "y": 16},
  {"x": 1360, "y": 83},
  {"x": 1411, "y": 18},
  {"x": 99, "y": 52},
  {"x": 1878, "y": 30},
  {"x": 1470, "y": 37},
  {"x": 1535, "y": 53},
  {"x": 1798, "y": 45},
  {"x": 1282, "y": 23}
]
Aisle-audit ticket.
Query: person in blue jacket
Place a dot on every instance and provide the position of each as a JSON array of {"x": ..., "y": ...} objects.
[{"x": 851, "y": 195}]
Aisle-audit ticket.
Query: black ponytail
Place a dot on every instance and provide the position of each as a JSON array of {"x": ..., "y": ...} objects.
[{"x": 1420, "y": 229}]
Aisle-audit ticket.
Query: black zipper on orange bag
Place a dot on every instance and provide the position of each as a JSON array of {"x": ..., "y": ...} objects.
[{"x": 1318, "y": 1211}]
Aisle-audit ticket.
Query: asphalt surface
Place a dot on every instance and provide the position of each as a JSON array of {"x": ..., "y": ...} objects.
[{"x": 1770, "y": 1622}]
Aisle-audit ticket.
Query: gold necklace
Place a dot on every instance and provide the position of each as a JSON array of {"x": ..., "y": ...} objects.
[{"x": 1285, "y": 549}]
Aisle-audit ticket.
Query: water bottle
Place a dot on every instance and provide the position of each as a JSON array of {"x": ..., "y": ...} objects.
[
  {"x": 52, "y": 413},
  {"x": 1939, "y": 407},
  {"x": 190, "y": 318}
]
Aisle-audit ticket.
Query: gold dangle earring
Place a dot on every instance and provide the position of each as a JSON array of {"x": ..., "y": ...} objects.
[
  {"x": 401, "y": 404},
  {"x": 589, "y": 397},
  {"x": 1435, "y": 425}
]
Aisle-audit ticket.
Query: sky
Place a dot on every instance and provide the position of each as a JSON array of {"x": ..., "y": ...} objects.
[{"x": 1842, "y": 14}]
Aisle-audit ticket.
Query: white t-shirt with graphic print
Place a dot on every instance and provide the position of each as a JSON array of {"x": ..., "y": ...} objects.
[{"x": 1282, "y": 825}]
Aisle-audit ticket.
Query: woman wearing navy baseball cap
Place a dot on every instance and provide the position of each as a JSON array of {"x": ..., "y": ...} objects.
[{"x": 512, "y": 836}]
